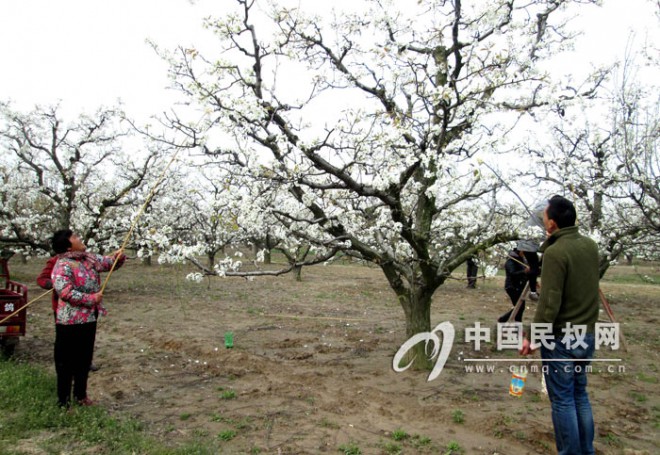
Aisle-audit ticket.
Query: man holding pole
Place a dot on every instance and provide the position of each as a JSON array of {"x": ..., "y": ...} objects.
[
  {"x": 568, "y": 307},
  {"x": 76, "y": 281},
  {"x": 516, "y": 278}
]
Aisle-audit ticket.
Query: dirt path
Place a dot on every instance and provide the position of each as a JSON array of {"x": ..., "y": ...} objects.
[{"x": 311, "y": 372}]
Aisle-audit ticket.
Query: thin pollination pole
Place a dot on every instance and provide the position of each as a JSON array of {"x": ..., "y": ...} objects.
[
  {"x": 135, "y": 220},
  {"x": 25, "y": 306}
]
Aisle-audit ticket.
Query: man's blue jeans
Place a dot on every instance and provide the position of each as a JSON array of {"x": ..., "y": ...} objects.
[{"x": 566, "y": 380}]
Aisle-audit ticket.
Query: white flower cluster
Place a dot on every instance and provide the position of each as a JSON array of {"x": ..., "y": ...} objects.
[{"x": 195, "y": 277}]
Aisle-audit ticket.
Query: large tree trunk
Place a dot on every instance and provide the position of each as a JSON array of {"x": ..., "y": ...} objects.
[
  {"x": 297, "y": 273},
  {"x": 301, "y": 255},
  {"x": 417, "y": 308},
  {"x": 416, "y": 303},
  {"x": 597, "y": 211}
]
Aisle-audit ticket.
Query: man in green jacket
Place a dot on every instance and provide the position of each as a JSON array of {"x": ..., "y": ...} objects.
[{"x": 564, "y": 323}]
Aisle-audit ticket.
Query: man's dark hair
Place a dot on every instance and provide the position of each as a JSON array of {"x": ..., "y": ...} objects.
[
  {"x": 60, "y": 240},
  {"x": 561, "y": 211}
]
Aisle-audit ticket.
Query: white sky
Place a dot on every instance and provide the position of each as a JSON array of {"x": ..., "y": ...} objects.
[{"x": 88, "y": 53}]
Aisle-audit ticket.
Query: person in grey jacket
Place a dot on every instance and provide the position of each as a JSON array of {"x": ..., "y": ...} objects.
[{"x": 530, "y": 246}]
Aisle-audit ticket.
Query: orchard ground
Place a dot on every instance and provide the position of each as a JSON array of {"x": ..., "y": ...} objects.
[{"x": 311, "y": 367}]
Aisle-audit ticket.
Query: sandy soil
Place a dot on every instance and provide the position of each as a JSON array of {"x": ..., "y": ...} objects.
[{"x": 311, "y": 368}]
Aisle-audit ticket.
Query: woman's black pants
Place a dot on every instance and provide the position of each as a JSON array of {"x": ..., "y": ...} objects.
[{"x": 74, "y": 348}]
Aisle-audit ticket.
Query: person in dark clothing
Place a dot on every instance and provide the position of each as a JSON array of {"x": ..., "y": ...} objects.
[
  {"x": 44, "y": 281},
  {"x": 516, "y": 278},
  {"x": 472, "y": 270},
  {"x": 529, "y": 247},
  {"x": 532, "y": 258}
]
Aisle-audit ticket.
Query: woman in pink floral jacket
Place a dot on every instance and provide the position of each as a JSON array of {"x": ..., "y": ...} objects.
[{"x": 76, "y": 279}]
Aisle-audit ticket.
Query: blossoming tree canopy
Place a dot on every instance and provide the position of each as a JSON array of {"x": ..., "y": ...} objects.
[
  {"x": 602, "y": 153},
  {"x": 372, "y": 126},
  {"x": 58, "y": 173}
]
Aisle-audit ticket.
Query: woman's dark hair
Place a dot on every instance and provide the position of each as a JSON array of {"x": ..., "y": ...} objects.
[
  {"x": 561, "y": 211},
  {"x": 60, "y": 240}
]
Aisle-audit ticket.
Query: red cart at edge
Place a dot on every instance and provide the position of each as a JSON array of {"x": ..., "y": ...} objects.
[{"x": 13, "y": 296}]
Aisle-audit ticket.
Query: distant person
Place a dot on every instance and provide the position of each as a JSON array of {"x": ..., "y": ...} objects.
[
  {"x": 472, "y": 271},
  {"x": 516, "y": 278},
  {"x": 44, "y": 281},
  {"x": 569, "y": 295},
  {"x": 76, "y": 280},
  {"x": 530, "y": 247}
]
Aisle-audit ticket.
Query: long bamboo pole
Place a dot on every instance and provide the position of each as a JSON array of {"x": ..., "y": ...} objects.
[
  {"x": 610, "y": 315},
  {"x": 135, "y": 220},
  {"x": 25, "y": 306}
]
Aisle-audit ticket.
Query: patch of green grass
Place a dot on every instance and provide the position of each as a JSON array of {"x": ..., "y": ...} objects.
[
  {"x": 200, "y": 434},
  {"x": 220, "y": 418},
  {"x": 392, "y": 448},
  {"x": 228, "y": 395},
  {"x": 507, "y": 419},
  {"x": 227, "y": 435},
  {"x": 612, "y": 440},
  {"x": 638, "y": 397},
  {"x": 327, "y": 295},
  {"x": 419, "y": 441},
  {"x": 646, "y": 378},
  {"x": 325, "y": 423},
  {"x": 458, "y": 416},
  {"x": 453, "y": 448},
  {"x": 646, "y": 276},
  {"x": 470, "y": 394},
  {"x": 400, "y": 435},
  {"x": 28, "y": 409},
  {"x": 350, "y": 449},
  {"x": 244, "y": 424},
  {"x": 185, "y": 416}
]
